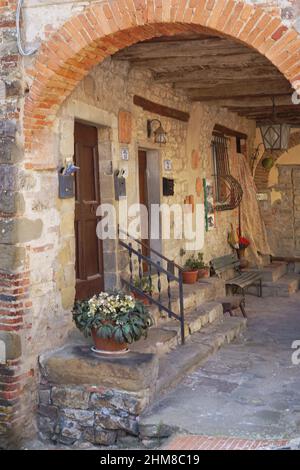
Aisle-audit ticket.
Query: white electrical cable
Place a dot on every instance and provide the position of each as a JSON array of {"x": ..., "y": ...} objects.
[{"x": 18, "y": 21}]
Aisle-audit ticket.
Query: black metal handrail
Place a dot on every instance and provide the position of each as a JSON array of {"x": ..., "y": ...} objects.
[{"x": 154, "y": 267}]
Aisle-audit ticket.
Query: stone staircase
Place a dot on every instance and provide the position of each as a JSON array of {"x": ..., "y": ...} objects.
[
  {"x": 277, "y": 281},
  {"x": 206, "y": 330},
  {"x": 87, "y": 399}
]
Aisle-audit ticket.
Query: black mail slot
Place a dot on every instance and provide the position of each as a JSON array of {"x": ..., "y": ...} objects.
[
  {"x": 65, "y": 186},
  {"x": 168, "y": 187}
]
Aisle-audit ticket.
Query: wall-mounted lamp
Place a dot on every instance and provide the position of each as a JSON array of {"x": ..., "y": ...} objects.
[
  {"x": 275, "y": 134},
  {"x": 160, "y": 136}
]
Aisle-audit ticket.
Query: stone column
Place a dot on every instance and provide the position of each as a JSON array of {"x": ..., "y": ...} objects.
[{"x": 14, "y": 272}]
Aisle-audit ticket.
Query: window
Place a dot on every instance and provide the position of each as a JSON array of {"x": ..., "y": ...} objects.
[{"x": 228, "y": 192}]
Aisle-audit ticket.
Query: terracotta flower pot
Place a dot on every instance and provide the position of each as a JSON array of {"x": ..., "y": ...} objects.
[
  {"x": 244, "y": 263},
  {"x": 241, "y": 253},
  {"x": 141, "y": 298},
  {"x": 108, "y": 345},
  {"x": 203, "y": 273},
  {"x": 189, "y": 277}
]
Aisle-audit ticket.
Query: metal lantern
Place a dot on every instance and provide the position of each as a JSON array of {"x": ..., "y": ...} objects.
[
  {"x": 275, "y": 135},
  {"x": 160, "y": 135}
]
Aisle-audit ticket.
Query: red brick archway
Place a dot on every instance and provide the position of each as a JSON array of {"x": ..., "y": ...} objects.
[
  {"x": 102, "y": 29},
  {"x": 261, "y": 176}
]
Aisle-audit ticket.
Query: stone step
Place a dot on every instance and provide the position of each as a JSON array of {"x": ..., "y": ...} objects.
[
  {"x": 273, "y": 272},
  {"x": 284, "y": 287},
  {"x": 195, "y": 319},
  {"x": 198, "y": 347},
  {"x": 194, "y": 295},
  {"x": 159, "y": 341},
  {"x": 167, "y": 336}
]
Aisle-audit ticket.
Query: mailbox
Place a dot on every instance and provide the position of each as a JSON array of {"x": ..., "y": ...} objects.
[
  {"x": 65, "y": 186},
  {"x": 120, "y": 184},
  {"x": 168, "y": 187}
]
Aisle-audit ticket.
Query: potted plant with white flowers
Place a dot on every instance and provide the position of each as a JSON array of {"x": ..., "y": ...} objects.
[{"x": 114, "y": 320}]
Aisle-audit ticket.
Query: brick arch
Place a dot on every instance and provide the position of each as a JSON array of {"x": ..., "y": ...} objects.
[
  {"x": 261, "y": 176},
  {"x": 102, "y": 29}
]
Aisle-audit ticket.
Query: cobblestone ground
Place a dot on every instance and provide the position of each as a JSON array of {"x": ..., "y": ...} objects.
[{"x": 250, "y": 388}]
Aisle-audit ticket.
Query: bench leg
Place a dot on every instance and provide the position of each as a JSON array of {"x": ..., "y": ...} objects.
[
  {"x": 242, "y": 307},
  {"x": 260, "y": 288}
]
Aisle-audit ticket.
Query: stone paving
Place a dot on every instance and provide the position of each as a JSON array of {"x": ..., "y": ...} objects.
[
  {"x": 227, "y": 443},
  {"x": 250, "y": 388}
]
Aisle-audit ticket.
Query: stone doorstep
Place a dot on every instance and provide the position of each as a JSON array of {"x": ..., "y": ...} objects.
[
  {"x": 77, "y": 365},
  {"x": 284, "y": 287}
]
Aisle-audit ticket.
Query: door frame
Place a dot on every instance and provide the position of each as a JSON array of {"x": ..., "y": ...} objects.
[
  {"x": 154, "y": 187},
  {"x": 105, "y": 122}
]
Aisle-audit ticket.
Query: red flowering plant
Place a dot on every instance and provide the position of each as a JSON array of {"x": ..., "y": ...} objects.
[{"x": 243, "y": 243}]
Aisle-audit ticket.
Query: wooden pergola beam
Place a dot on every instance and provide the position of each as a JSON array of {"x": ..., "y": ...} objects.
[{"x": 159, "y": 109}]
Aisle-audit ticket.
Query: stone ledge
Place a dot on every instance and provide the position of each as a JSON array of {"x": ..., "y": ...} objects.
[{"x": 77, "y": 365}]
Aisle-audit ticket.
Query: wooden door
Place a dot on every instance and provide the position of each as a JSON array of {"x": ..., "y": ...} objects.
[
  {"x": 143, "y": 190},
  {"x": 89, "y": 253}
]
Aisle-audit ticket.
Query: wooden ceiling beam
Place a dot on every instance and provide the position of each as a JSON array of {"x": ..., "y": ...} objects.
[
  {"x": 260, "y": 84},
  {"x": 239, "y": 89},
  {"x": 159, "y": 109},
  {"x": 221, "y": 60},
  {"x": 266, "y": 110},
  {"x": 194, "y": 48},
  {"x": 242, "y": 102},
  {"x": 189, "y": 77}
]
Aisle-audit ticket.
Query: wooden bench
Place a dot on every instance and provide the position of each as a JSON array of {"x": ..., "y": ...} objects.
[{"x": 241, "y": 280}]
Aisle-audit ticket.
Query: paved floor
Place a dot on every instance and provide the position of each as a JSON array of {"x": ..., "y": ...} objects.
[
  {"x": 227, "y": 443},
  {"x": 250, "y": 388}
]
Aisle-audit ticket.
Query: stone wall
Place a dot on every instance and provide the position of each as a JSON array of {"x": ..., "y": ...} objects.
[
  {"x": 72, "y": 415},
  {"x": 281, "y": 212},
  {"x": 15, "y": 303}
]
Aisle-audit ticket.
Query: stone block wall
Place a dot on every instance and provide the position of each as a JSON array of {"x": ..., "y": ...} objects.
[
  {"x": 282, "y": 216},
  {"x": 15, "y": 231},
  {"x": 72, "y": 415}
]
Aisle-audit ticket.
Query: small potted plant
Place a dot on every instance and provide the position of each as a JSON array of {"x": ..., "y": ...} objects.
[
  {"x": 203, "y": 269},
  {"x": 190, "y": 272},
  {"x": 243, "y": 245},
  {"x": 144, "y": 284},
  {"x": 114, "y": 320}
]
